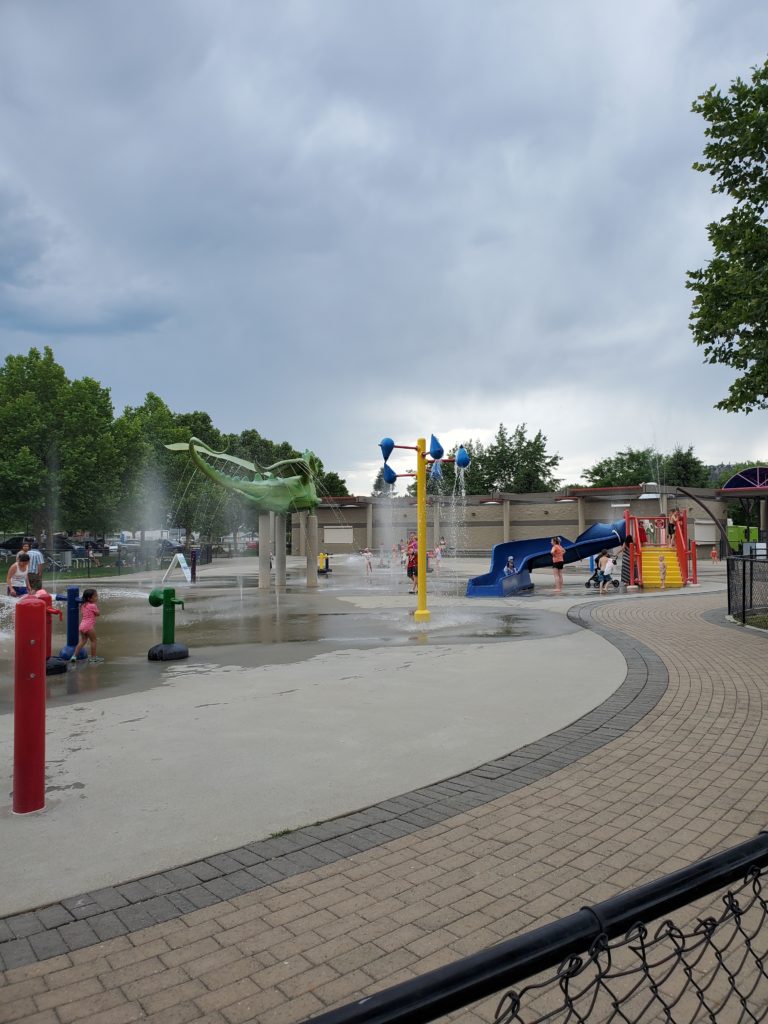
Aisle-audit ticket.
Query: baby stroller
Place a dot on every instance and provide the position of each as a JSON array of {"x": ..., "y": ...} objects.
[{"x": 593, "y": 581}]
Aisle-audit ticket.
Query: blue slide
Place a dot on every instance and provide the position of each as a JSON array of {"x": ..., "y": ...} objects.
[{"x": 534, "y": 554}]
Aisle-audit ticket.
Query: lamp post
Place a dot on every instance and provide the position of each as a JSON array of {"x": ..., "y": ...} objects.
[{"x": 435, "y": 453}]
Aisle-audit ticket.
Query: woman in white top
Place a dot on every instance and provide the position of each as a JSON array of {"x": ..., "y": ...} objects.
[{"x": 18, "y": 576}]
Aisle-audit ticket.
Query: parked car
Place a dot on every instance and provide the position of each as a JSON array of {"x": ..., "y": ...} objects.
[
  {"x": 62, "y": 543},
  {"x": 13, "y": 544},
  {"x": 168, "y": 547}
]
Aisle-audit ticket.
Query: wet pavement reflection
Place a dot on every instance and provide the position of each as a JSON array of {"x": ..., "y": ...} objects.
[{"x": 227, "y": 620}]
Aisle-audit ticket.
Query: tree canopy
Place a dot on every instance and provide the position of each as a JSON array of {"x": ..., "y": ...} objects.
[
  {"x": 638, "y": 465},
  {"x": 729, "y": 317},
  {"x": 59, "y": 455},
  {"x": 512, "y": 462},
  {"x": 69, "y": 464}
]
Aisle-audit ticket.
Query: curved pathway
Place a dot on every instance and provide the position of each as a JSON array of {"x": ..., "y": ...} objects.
[{"x": 672, "y": 770}]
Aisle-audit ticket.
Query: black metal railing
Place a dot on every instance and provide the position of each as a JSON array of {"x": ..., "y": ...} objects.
[
  {"x": 204, "y": 554},
  {"x": 609, "y": 964},
  {"x": 748, "y": 590}
]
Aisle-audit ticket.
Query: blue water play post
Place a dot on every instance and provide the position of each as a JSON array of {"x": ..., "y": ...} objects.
[{"x": 72, "y": 597}]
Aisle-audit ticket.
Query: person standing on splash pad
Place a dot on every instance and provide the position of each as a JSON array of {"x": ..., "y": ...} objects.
[
  {"x": 412, "y": 567},
  {"x": 558, "y": 561}
]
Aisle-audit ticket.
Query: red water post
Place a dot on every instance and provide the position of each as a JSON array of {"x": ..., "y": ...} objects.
[
  {"x": 29, "y": 707},
  {"x": 694, "y": 563},
  {"x": 50, "y": 611}
]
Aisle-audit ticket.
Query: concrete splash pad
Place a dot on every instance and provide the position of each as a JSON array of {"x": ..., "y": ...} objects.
[{"x": 153, "y": 765}]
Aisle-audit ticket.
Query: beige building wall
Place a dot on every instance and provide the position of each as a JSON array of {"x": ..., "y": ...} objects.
[{"x": 380, "y": 523}]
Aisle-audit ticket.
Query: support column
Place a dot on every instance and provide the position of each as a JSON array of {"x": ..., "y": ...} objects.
[
  {"x": 580, "y": 511},
  {"x": 302, "y": 534},
  {"x": 280, "y": 534},
  {"x": 272, "y": 534},
  {"x": 763, "y": 527},
  {"x": 369, "y": 526},
  {"x": 264, "y": 551},
  {"x": 313, "y": 550},
  {"x": 422, "y": 612},
  {"x": 505, "y": 519}
]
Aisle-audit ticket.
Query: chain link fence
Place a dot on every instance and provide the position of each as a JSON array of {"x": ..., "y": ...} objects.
[
  {"x": 710, "y": 970},
  {"x": 748, "y": 590},
  {"x": 623, "y": 960}
]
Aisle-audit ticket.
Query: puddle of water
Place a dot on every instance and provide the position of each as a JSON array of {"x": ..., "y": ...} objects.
[{"x": 230, "y": 612}]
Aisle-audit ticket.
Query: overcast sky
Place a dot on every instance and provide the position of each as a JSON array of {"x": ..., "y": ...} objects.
[{"x": 337, "y": 220}]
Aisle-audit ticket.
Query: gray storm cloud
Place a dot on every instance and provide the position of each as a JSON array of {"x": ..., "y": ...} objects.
[{"x": 424, "y": 205}]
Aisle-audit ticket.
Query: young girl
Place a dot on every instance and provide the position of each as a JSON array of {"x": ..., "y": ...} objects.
[
  {"x": 662, "y": 572},
  {"x": 90, "y": 610}
]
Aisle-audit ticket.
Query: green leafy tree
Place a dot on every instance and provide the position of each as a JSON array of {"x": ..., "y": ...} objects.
[
  {"x": 729, "y": 317},
  {"x": 638, "y": 465},
  {"x": 19, "y": 487},
  {"x": 518, "y": 463},
  {"x": 149, "y": 477},
  {"x": 196, "y": 504},
  {"x": 61, "y": 464},
  {"x": 684, "y": 468},
  {"x": 89, "y": 459},
  {"x": 625, "y": 469},
  {"x": 332, "y": 484},
  {"x": 381, "y": 489},
  {"x": 512, "y": 462}
]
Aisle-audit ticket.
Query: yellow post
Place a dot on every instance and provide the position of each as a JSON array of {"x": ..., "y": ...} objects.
[{"x": 421, "y": 614}]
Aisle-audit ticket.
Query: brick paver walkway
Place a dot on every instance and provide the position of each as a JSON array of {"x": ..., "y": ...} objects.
[{"x": 684, "y": 778}]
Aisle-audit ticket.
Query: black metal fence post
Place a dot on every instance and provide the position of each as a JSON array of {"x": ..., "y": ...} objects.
[{"x": 743, "y": 593}]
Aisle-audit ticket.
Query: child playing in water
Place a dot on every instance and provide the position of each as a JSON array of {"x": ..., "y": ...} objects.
[
  {"x": 17, "y": 579},
  {"x": 90, "y": 610},
  {"x": 412, "y": 569},
  {"x": 662, "y": 572}
]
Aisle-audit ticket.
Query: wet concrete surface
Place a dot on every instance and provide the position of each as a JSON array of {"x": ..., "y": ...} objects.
[
  {"x": 227, "y": 620},
  {"x": 292, "y": 708}
]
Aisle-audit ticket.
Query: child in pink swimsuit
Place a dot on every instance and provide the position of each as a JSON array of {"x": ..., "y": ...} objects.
[{"x": 90, "y": 610}]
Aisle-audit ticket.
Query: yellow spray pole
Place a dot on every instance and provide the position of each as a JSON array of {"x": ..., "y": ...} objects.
[{"x": 421, "y": 614}]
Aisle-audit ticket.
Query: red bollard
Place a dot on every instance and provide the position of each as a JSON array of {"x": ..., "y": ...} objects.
[
  {"x": 50, "y": 611},
  {"x": 29, "y": 707}
]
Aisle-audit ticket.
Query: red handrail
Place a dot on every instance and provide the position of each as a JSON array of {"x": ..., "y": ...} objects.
[
  {"x": 635, "y": 550},
  {"x": 681, "y": 545}
]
